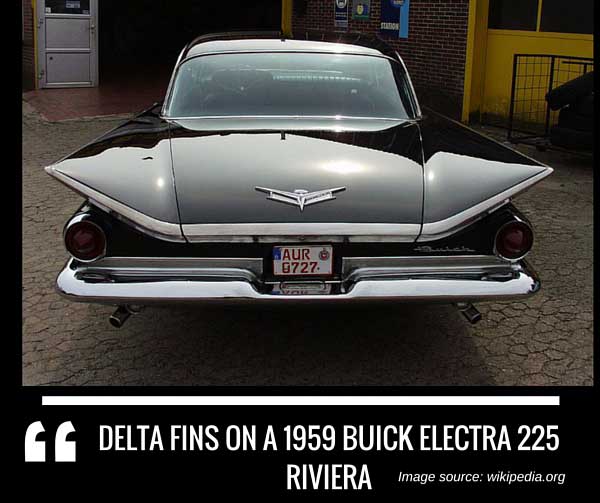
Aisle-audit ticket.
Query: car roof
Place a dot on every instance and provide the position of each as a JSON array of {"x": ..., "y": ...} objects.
[
  {"x": 305, "y": 41},
  {"x": 276, "y": 45}
]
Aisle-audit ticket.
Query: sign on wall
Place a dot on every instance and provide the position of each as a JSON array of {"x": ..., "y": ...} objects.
[
  {"x": 394, "y": 18},
  {"x": 341, "y": 13},
  {"x": 361, "y": 9}
]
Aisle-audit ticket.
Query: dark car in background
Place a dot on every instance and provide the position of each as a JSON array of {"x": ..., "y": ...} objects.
[{"x": 281, "y": 170}]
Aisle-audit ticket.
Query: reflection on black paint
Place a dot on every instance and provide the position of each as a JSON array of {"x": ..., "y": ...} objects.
[{"x": 216, "y": 171}]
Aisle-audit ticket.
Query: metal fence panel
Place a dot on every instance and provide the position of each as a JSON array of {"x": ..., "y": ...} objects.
[{"x": 534, "y": 75}]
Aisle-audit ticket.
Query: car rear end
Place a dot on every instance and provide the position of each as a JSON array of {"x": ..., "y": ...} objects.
[
  {"x": 214, "y": 206},
  {"x": 483, "y": 262}
]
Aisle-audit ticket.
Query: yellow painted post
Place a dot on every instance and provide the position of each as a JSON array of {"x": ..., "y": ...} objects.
[
  {"x": 539, "y": 15},
  {"x": 479, "y": 57},
  {"x": 469, "y": 61},
  {"x": 286, "y": 17}
]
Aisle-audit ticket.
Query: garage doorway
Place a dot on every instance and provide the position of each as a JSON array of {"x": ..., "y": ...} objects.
[
  {"x": 141, "y": 39},
  {"x": 133, "y": 46},
  {"x": 67, "y": 43},
  {"x": 86, "y": 43}
]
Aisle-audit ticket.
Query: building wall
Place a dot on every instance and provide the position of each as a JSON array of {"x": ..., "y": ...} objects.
[
  {"x": 28, "y": 46},
  {"x": 434, "y": 51}
]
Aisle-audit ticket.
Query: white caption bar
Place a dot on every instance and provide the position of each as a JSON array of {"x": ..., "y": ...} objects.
[{"x": 299, "y": 400}]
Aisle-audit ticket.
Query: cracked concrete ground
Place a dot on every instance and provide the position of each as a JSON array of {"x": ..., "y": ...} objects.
[{"x": 546, "y": 340}]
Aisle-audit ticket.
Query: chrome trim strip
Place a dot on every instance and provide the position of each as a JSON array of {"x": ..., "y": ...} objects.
[
  {"x": 157, "y": 228},
  {"x": 463, "y": 264},
  {"x": 273, "y": 232},
  {"x": 369, "y": 53},
  {"x": 171, "y": 80},
  {"x": 522, "y": 282},
  {"x": 438, "y": 230},
  {"x": 133, "y": 275},
  {"x": 169, "y": 265},
  {"x": 386, "y": 273},
  {"x": 291, "y": 117},
  {"x": 419, "y": 114},
  {"x": 352, "y": 267}
]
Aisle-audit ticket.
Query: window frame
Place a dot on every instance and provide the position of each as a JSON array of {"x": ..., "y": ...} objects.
[
  {"x": 537, "y": 21},
  {"x": 398, "y": 70},
  {"x": 539, "y": 24},
  {"x": 538, "y": 30}
]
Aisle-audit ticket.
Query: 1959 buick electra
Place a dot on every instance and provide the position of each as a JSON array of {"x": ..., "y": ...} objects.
[{"x": 304, "y": 170}]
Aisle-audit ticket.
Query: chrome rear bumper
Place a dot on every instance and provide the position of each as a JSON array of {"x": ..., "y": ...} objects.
[{"x": 402, "y": 279}]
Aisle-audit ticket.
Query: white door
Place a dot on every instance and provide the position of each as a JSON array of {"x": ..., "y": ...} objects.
[{"x": 67, "y": 43}]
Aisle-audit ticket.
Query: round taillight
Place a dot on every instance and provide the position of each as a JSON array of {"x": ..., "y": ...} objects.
[
  {"x": 85, "y": 240},
  {"x": 514, "y": 240}
]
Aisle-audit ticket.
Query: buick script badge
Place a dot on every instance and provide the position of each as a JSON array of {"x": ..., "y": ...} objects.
[{"x": 300, "y": 197}]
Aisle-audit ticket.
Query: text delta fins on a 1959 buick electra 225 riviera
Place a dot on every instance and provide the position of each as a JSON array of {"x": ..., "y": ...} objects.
[{"x": 295, "y": 170}]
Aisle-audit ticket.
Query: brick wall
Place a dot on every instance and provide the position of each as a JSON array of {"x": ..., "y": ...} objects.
[
  {"x": 434, "y": 51},
  {"x": 28, "y": 48}
]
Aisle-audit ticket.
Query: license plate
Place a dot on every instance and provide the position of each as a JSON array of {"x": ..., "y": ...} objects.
[
  {"x": 301, "y": 289},
  {"x": 302, "y": 260}
]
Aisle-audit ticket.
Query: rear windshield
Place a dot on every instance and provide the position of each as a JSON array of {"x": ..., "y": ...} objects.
[{"x": 289, "y": 84}]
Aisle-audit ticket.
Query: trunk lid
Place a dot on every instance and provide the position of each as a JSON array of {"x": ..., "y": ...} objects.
[{"x": 216, "y": 175}]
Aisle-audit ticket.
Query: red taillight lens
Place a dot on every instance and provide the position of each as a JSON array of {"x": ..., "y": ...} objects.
[
  {"x": 514, "y": 240},
  {"x": 85, "y": 240}
]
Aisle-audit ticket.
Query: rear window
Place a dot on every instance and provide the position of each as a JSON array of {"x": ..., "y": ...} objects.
[{"x": 290, "y": 84}]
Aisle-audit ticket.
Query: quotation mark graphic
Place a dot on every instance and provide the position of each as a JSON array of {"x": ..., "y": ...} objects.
[{"x": 35, "y": 450}]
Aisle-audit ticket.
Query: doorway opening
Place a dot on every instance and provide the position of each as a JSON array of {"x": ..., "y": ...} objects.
[
  {"x": 137, "y": 43},
  {"x": 140, "y": 40}
]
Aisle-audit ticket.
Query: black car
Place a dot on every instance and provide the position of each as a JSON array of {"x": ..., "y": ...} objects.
[{"x": 281, "y": 170}]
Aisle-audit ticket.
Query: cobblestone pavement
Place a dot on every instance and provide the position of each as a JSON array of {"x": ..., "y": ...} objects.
[{"x": 544, "y": 341}]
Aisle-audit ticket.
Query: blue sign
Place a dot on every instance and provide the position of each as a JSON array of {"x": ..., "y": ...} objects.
[
  {"x": 341, "y": 13},
  {"x": 394, "y": 18}
]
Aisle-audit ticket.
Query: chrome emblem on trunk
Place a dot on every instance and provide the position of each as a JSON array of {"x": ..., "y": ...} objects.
[{"x": 300, "y": 197}]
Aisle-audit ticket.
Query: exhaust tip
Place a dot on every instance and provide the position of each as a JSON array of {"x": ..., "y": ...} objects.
[
  {"x": 471, "y": 313},
  {"x": 115, "y": 322},
  {"x": 119, "y": 317}
]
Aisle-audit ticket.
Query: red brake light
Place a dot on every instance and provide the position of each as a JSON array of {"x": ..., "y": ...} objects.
[
  {"x": 514, "y": 240},
  {"x": 85, "y": 240}
]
